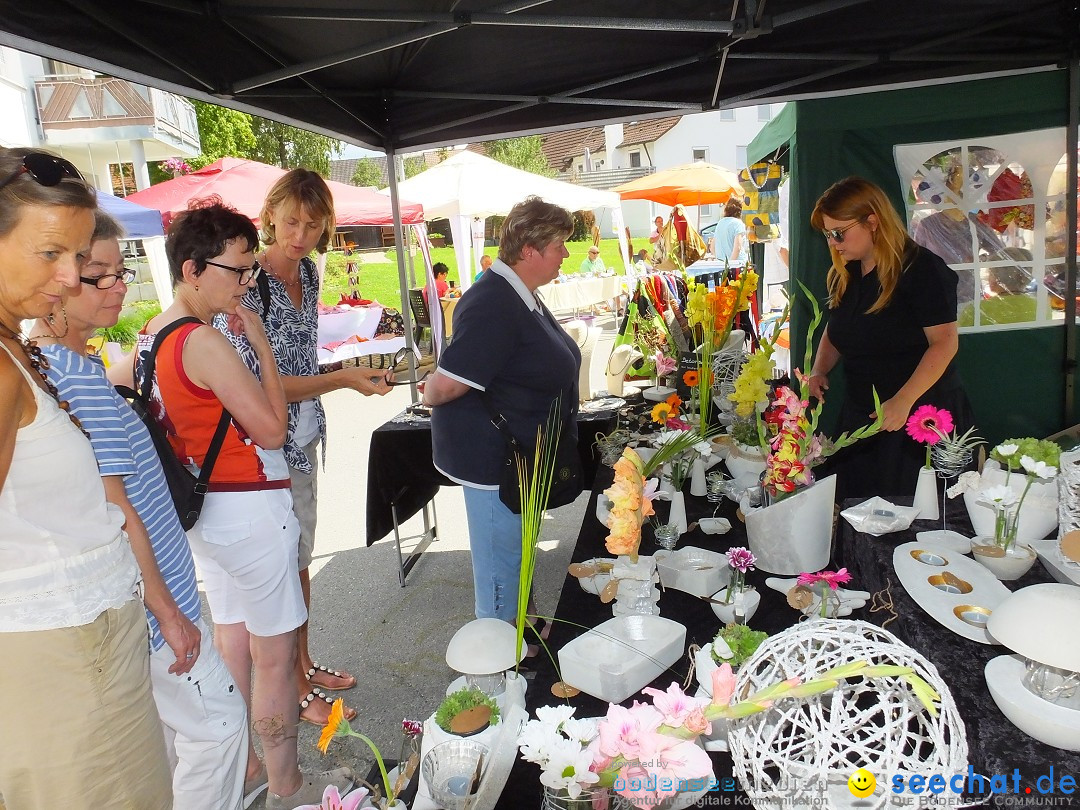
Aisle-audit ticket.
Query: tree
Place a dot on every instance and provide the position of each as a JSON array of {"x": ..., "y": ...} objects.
[
  {"x": 367, "y": 173},
  {"x": 522, "y": 153},
  {"x": 223, "y": 133},
  {"x": 414, "y": 165},
  {"x": 290, "y": 148}
]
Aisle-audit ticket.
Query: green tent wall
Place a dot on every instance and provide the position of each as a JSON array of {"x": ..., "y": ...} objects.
[{"x": 1015, "y": 379}]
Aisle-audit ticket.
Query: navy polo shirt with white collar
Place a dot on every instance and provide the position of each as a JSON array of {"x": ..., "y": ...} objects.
[{"x": 507, "y": 343}]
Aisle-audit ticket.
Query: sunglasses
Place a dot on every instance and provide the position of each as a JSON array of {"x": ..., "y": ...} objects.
[
  {"x": 246, "y": 273},
  {"x": 837, "y": 234},
  {"x": 108, "y": 280},
  {"x": 45, "y": 169},
  {"x": 399, "y": 358}
]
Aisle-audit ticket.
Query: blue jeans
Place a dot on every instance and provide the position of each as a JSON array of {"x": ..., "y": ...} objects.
[{"x": 495, "y": 541}]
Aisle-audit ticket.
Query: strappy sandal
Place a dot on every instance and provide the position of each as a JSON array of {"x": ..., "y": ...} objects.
[
  {"x": 317, "y": 669},
  {"x": 316, "y": 695}
]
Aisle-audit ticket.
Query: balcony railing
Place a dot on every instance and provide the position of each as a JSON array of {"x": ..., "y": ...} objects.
[
  {"x": 78, "y": 102},
  {"x": 608, "y": 179}
]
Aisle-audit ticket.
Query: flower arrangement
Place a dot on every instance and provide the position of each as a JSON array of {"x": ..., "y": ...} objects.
[
  {"x": 338, "y": 726},
  {"x": 1039, "y": 459},
  {"x": 469, "y": 699},
  {"x": 740, "y": 560},
  {"x": 934, "y": 427},
  {"x": 666, "y": 413},
  {"x": 663, "y": 365},
  {"x": 175, "y": 166},
  {"x": 332, "y": 800},
  {"x": 647, "y": 752},
  {"x": 825, "y": 582},
  {"x": 751, "y": 394},
  {"x": 787, "y": 429},
  {"x": 631, "y": 503}
]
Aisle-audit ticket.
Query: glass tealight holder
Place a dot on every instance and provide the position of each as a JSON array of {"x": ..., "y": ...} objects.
[
  {"x": 491, "y": 685},
  {"x": 449, "y": 769},
  {"x": 667, "y": 535}
]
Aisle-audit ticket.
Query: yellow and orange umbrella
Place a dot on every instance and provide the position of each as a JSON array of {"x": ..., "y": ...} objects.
[{"x": 695, "y": 183}]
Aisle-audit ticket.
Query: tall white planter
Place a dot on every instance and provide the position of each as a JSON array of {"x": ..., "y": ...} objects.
[
  {"x": 678, "y": 511},
  {"x": 697, "y": 477},
  {"x": 926, "y": 496},
  {"x": 794, "y": 535}
]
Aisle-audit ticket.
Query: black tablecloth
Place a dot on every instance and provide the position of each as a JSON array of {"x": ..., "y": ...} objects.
[
  {"x": 401, "y": 473},
  {"x": 996, "y": 746}
]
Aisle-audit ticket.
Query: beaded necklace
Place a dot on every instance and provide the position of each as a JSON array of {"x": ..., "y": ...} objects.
[{"x": 40, "y": 364}]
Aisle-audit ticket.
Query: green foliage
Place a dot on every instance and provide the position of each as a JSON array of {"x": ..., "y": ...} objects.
[
  {"x": 127, "y": 327},
  {"x": 745, "y": 431},
  {"x": 290, "y": 148},
  {"x": 522, "y": 153},
  {"x": 743, "y": 643},
  {"x": 1038, "y": 449},
  {"x": 222, "y": 133},
  {"x": 367, "y": 173},
  {"x": 414, "y": 165},
  {"x": 457, "y": 702},
  {"x": 584, "y": 222}
]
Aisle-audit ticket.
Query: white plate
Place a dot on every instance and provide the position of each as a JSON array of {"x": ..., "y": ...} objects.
[
  {"x": 849, "y": 600},
  {"x": 1052, "y": 560},
  {"x": 954, "y": 541},
  {"x": 602, "y": 404}
]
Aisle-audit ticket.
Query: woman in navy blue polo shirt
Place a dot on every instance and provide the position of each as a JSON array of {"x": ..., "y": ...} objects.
[{"x": 508, "y": 346}]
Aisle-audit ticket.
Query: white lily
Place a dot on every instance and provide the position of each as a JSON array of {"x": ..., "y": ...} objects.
[{"x": 1039, "y": 468}]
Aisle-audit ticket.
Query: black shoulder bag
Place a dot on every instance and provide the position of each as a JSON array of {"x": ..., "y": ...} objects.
[
  {"x": 186, "y": 490},
  {"x": 566, "y": 478}
]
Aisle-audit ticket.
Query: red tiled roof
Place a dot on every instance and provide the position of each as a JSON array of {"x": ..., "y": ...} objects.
[
  {"x": 647, "y": 131},
  {"x": 560, "y": 148}
]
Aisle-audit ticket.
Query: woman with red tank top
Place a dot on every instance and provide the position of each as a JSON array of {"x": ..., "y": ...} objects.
[{"x": 245, "y": 542}]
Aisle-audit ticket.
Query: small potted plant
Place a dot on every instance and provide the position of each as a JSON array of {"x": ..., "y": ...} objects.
[
  {"x": 466, "y": 712},
  {"x": 437, "y": 240}
]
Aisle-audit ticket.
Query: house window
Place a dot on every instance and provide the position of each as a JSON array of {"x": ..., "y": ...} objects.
[
  {"x": 635, "y": 160},
  {"x": 980, "y": 207},
  {"x": 727, "y": 115},
  {"x": 700, "y": 153},
  {"x": 740, "y": 157},
  {"x": 764, "y": 112},
  {"x": 705, "y": 211}
]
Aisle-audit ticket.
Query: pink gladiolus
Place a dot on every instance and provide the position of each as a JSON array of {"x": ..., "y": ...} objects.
[
  {"x": 696, "y": 722},
  {"x": 833, "y": 579},
  {"x": 664, "y": 365},
  {"x": 723, "y": 685},
  {"x": 621, "y": 731},
  {"x": 928, "y": 424},
  {"x": 673, "y": 704},
  {"x": 664, "y": 762},
  {"x": 331, "y": 800}
]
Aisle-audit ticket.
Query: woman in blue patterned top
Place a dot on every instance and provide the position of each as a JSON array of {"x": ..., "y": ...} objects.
[{"x": 297, "y": 218}]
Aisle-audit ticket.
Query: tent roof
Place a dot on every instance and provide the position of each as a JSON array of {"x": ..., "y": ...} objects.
[
  {"x": 245, "y": 183},
  {"x": 477, "y": 186},
  {"x": 433, "y": 72},
  {"x": 139, "y": 221}
]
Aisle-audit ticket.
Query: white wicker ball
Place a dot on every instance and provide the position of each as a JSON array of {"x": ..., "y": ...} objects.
[{"x": 802, "y": 751}]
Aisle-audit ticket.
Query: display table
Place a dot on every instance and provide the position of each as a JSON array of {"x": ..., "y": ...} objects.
[
  {"x": 581, "y": 293},
  {"x": 350, "y": 333},
  {"x": 402, "y": 480},
  {"x": 996, "y": 746}
]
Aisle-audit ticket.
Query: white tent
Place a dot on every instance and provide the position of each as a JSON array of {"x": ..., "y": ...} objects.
[{"x": 469, "y": 186}]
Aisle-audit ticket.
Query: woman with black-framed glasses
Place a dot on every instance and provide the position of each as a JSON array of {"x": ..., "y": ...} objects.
[
  {"x": 892, "y": 320},
  {"x": 78, "y": 725}
]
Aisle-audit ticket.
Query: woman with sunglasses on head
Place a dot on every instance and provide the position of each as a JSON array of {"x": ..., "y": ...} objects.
[
  {"x": 297, "y": 219},
  {"x": 78, "y": 726},
  {"x": 245, "y": 542},
  {"x": 892, "y": 321},
  {"x": 201, "y": 710}
]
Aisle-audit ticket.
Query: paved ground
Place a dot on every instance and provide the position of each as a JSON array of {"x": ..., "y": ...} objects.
[{"x": 392, "y": 638}]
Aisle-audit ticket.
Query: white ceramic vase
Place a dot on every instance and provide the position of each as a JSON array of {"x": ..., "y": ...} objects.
[
  {"x": 697, "y": 478},
  {"x": 794, "y": 535},
  {"x": 926, "y": 495},
  {"x": 744, "y": 603},
  {"x": 1016, "y": 562},
  {"x": 678, "y": 511}
]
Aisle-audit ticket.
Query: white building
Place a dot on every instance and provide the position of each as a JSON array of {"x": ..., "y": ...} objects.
[
  {"x": 94, "y": 121},
  {"x": 604, "y": 157}
]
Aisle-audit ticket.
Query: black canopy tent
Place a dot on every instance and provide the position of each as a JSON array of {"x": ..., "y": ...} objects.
[{"x": 416, "y": 73}]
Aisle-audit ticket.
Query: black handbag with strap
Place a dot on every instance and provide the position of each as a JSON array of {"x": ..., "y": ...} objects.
[
  {"x": 567, "y": 477},
  {"x": 187, "y": 490}
]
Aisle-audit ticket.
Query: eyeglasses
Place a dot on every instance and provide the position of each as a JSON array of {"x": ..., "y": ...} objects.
[
  {"x": 47, "y": 170},
  {"x": 246, "y": 273},
  {"x": 837, "y": 234},
  {"x": 108, "y": 280},
  {"x": 399, "y": 358}
]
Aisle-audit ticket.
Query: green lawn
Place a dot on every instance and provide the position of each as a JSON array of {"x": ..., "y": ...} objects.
[{"x": 380, "y": 281}]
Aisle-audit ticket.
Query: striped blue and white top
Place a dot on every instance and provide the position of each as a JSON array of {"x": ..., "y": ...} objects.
[{"x": 123, "y": 447}]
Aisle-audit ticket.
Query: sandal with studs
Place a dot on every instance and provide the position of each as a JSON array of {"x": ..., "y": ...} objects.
[
  {"x": 313, "y": 697},
  {"x": 318, "y": 670}
]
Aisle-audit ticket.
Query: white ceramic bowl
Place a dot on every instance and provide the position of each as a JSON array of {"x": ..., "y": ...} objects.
[
  {"x": 1016, "y": 562},
  {"x": 1045, "y": 721},
  {"x": 596, "y": 582}
]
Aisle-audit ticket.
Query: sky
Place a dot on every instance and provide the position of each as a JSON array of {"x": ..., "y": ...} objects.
[{"x": 356, "y": 152}]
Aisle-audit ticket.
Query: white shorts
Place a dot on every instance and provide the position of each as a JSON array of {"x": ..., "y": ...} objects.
[
  {"x": 245, "y": 545},
  {"x": 305, "y": 495},
  {"x": 205, "y": 722}
]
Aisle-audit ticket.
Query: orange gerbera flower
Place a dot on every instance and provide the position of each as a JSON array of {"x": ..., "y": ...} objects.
[
  {"x": 675, "y": 401},
  {"x": 333, "y": 722},
  {"x": 691, "y": 378}
]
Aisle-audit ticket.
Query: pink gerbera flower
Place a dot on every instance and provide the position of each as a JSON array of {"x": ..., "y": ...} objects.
[
  {"x": 928, "y": 425},
  {"x": 831, "y": 578}
]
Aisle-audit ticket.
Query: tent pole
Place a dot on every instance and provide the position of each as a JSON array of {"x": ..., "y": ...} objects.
[
  {"x": 406, "y": 309},
  {"x": 1071, "y": 145}
]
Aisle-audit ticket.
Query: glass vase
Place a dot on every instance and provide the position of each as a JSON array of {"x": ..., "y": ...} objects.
[
  {"x": 588, "y": 799},
  {"x": 1006, "y": 522}
]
